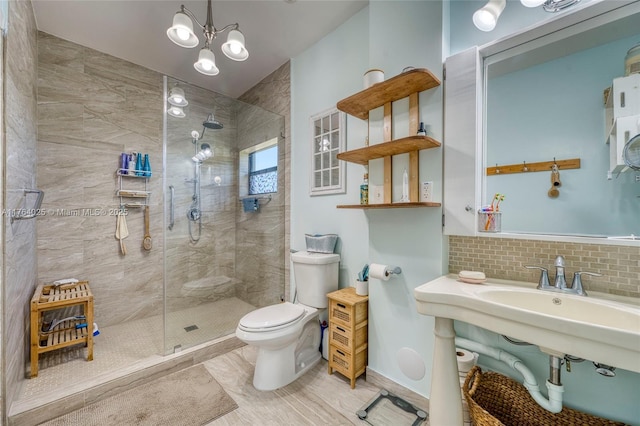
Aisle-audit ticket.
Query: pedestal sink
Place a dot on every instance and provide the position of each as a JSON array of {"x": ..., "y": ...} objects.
[{"x": 599, "y": 330}]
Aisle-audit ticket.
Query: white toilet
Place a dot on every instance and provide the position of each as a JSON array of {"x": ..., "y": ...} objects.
[{"x": 288, "y": 334}]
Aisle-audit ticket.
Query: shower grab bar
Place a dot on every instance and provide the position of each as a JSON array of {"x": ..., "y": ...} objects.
[
  {"x": 172, "y": 210},
  {"x": 29, "y": 213}
]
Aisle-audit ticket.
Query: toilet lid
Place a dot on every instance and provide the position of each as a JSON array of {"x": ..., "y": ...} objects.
[{"x": 272, "y": 316}]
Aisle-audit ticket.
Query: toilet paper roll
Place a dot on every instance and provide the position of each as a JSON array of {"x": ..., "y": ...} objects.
[
  {"x": 466, "y": 360},
  {"x": 380, "y": 272}
]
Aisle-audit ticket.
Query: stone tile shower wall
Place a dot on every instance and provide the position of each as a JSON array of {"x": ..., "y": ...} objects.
[
  {"x": 273, "y": 93},
  {"x": 92, "y": 107},
  {"x": 505, "y": 259},
  {"x": 260, "y": 235},
  {"x": 19, "y": 274}
]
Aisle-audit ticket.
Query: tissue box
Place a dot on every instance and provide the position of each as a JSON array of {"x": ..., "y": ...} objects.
[{"x": 321, "y": 243}]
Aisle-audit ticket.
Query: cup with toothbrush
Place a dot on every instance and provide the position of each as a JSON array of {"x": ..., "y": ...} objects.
[
  {"x": 362, "y": 282},
  {"x": 490, "y": 217}
]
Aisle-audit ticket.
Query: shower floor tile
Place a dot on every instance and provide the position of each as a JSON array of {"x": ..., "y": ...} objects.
[{"x": 123, "y": 345}]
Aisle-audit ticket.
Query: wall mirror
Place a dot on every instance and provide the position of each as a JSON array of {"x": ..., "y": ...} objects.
[{"x": 544, "y": 100}]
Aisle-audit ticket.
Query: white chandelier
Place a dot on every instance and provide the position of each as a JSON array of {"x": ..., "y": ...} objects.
[{"x": 181, "y": 33}]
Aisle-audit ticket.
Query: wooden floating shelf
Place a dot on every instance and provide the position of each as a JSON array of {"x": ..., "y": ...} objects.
[
  {"x": 393, "y": 89},
  {"x": 395, "y": 147},
  {"x": 543, "y": 166},
  {"x": 389, "y": 206}
]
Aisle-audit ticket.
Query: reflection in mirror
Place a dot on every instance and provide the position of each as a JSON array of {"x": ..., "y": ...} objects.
[{"x": 549, "y": 103}]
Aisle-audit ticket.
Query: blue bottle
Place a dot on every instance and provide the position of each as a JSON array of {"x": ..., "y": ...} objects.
[
  {"x": 139, "y": 171},
  {"x": 147, "y": 166}
]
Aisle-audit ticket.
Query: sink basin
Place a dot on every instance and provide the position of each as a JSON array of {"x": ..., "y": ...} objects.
[
  {"x": 599, "y": 330},
  {"x": 568, "y": 307}
]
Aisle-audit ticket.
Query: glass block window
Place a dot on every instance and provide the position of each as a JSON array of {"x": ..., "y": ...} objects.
[
  {"x": 327, "y": 172},
  {"x": 263, "y": 171}
]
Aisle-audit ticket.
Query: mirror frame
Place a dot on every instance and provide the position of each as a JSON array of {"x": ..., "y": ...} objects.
[{"x": 585, "y": 17}]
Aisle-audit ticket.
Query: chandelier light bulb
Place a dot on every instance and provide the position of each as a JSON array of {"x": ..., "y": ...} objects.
[
  {"x": 181, "y": 32},
  {"x": 234, "y": 47},
  {"x": 176, "y": 111},
  {"x": 206, "y": 62},
  {"x": 177, "y": 98}
]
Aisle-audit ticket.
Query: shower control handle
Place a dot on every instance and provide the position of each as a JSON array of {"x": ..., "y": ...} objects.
[{"x": 172, "y": 216}]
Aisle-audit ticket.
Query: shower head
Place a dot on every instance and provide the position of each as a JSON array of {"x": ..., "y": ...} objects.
[
  {"x": 212, "y": 123},
  {"x": 204, "y": 153}
]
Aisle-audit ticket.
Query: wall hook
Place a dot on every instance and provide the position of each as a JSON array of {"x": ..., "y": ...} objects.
[
  {"x": 524, "y": 166},
  {"x": 497, "y": 169}
]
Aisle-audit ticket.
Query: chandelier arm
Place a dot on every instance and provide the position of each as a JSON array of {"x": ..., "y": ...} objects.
[
  {"x": 228, "y": 27},
  {"x": 190, "y": 15}
]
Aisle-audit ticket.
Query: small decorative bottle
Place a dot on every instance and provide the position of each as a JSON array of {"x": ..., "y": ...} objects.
[
  {"x": 147, "y": 166},
  {"x": 421, "y": 130},
  {"x": 364, "y": 190},
  {"x": 139, "y": 171}
]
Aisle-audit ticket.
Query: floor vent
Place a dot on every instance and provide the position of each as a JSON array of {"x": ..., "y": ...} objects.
[{"x": 191, "y": 328}]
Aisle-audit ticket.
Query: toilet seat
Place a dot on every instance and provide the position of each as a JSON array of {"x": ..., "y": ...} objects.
[{"x": 272, "y": 317}]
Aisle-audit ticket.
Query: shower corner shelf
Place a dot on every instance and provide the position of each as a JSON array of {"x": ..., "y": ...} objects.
[{"x": 48, "y": 297}]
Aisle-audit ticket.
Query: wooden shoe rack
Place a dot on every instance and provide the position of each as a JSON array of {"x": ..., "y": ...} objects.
[{"x": 48, "y": 297}]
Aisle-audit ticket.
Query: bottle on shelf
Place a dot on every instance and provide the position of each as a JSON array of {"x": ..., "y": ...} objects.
[
  {"x": 147, "y": 166},
  {"x": 139, "y": 171},
  {"x": 364, "y": 190},
  {"x": 124, "y": 163},
  {"x": 132, "y": 164},
  {"x": 405, "y": 187},
  {"x": 421, "y": 129}
]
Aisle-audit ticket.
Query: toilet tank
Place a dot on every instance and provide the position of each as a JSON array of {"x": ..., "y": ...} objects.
[{"x": 316, "y": 274}]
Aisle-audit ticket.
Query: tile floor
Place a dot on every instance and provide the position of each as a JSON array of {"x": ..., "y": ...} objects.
[
  {"x": 316, "y": 398},
  {"x": 123, "y": 345}
]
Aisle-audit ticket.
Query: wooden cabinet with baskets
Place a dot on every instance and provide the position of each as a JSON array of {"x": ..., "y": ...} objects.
[
  {"x": 348, "y": 333},
  {"x": 408, "y": 84}
]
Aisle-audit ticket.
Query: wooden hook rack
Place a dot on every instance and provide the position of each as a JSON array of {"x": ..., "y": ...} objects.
[{"x": 542, "y": 166}]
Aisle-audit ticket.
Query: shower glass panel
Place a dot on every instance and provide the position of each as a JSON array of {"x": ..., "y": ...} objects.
[{"x": 220, "y": 262}]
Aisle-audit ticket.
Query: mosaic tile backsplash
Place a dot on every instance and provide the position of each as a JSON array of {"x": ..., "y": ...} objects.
[{"x": 506, "y": 259}]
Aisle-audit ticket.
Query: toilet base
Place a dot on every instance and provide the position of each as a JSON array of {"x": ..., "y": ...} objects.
[{"x": 279, "y": 367}]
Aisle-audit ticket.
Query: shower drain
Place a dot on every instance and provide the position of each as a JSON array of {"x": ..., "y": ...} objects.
[{"x": 191, "y": 328}]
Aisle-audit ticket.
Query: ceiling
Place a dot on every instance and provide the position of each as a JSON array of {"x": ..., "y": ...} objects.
[{"x": 274, "y": 30}]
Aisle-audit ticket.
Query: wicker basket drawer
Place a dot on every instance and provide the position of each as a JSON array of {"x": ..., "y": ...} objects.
[
  {"x": 346, "y": 315},
  {"x": 342, "y": 362},
  {"x": 344, "y": 338}
]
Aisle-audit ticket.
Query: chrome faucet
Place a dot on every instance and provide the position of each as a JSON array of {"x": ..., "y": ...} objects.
[{"x": 560, "y": 284}]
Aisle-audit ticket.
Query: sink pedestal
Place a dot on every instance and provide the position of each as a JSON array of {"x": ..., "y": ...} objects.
[{"x": 445, "y": 403}]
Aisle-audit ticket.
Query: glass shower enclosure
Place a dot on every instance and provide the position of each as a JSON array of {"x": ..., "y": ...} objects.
[{"x": 223, "y": 220}]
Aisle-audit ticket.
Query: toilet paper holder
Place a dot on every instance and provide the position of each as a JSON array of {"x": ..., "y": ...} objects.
[{"x": 393, "y": 270}]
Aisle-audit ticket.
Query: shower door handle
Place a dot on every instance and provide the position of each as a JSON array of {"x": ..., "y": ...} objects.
[{"x": 172, "y": 216}]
